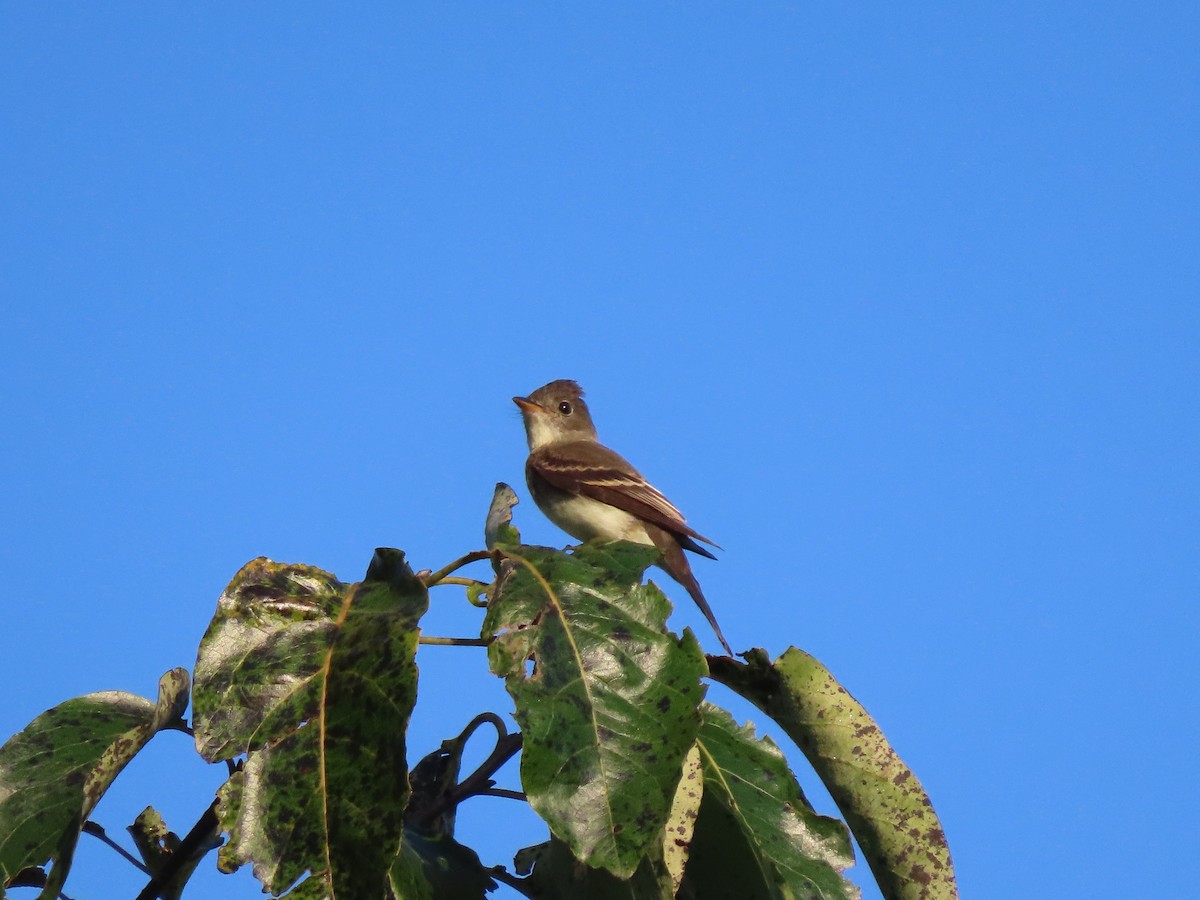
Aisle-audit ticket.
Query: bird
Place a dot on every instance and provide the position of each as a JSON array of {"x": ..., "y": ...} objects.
[{"x": 594, "y": 493}]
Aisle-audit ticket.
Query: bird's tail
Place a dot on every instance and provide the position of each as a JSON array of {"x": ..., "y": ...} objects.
[
  {"x": 693, "y": 588},
  {"x": 676, "y": 565}
]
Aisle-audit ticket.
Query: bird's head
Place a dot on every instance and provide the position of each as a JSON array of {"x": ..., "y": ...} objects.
[{"x": 556, "y": 412}]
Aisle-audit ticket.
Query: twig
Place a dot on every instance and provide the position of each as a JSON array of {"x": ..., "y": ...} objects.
[
  {"x": 490, "y": 718},
  {"x": 465, "y": 582},
  {"x": 480, "y": 780},
  {"x": 453, "y": 641},
  {"x": 97, "y": 831},
  {"x": 502, "y": 792},
  {"x": 502, "y": 875},
  {"x": 179, "y": 725},
  {"x": 473, "y": 556}
]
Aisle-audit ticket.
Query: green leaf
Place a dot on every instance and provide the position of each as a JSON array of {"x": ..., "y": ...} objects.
[
  {"x": 273, "y": 809},
  {"x": 54, "y": 772},
  {"x": 756, "y": 836},
  {"x": 438, "y": 868},
  {"x": 882, "y": 800},
  {"x": 552, "y": 872},
  {"x": 325, "y": 782},
  {"x": 260, "y": 663},
  {"x": 609, "y": 709},
  {"x": 155, "y": 842},
  {"x": 314, "y": 887}
]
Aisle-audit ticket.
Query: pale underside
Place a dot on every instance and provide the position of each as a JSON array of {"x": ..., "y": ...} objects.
[{"x": 586, "y": 519}]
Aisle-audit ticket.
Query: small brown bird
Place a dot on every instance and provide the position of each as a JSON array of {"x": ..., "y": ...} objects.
[{"x": 591, "y": 492}]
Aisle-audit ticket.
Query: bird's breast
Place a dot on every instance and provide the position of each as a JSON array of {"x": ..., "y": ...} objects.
[{"x": 583, "y": 518}]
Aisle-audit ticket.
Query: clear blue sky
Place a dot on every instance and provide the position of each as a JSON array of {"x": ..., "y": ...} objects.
[{"x": 901, "y": 307}]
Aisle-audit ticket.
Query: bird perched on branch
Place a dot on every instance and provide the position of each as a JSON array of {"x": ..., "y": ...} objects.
[{"x": 592, "y": 492}]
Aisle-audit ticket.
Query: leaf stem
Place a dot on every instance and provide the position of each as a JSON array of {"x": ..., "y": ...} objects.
[
  {"x": 502, "y": 792},
  {"x": 465, "y": 582},
  {"x": 473, "y": 556},
  {"x": 97, "y": 831},
  {"x": 453, "y": 641}
]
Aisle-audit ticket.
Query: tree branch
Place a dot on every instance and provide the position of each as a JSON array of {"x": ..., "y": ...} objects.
[
  {"x": 196, "y": 843},
  {"x": 97, "y": 831},
  {"x": 507, "y": 746}
]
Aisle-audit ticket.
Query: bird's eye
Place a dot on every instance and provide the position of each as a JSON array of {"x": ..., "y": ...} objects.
[{"x": 566, "y": 408}]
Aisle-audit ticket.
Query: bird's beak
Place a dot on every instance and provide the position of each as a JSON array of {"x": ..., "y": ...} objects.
[{"x": 527, "y": 405}]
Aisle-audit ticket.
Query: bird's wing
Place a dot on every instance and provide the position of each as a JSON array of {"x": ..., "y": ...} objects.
[{"x": 591, "y": 469}]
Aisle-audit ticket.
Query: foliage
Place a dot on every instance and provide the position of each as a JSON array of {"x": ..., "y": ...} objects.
[{"x": 304, "y": 686}]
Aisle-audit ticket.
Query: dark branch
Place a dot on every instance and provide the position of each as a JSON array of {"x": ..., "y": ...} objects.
[
  {"x": 507, "y": 746},
  {"x": 436, "y": 791},
  {"x": 502, "y": 875},
  {"x": 98, "y": 832},
  {"x": 502, "y": 792},
  {"x": 490, "y": 718},
  {"x": 198, "y": 842}
]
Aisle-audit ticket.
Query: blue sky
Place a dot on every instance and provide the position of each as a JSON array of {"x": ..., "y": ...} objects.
[{"x": 899, "y": 306}]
